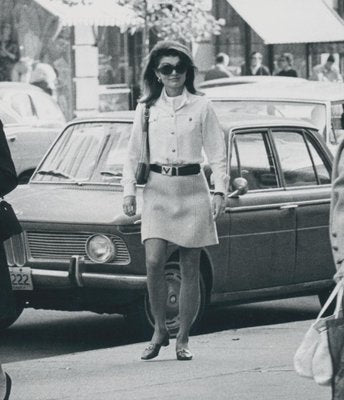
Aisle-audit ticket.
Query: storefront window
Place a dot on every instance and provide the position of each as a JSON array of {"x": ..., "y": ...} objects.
[{"x": 112, "y": 50}]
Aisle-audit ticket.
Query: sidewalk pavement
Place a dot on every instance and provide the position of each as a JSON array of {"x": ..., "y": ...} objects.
[{"x": 244, "y": 364}]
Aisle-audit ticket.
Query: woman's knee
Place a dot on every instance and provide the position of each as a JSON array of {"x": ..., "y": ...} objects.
[
  {"x": 155, "y": 263},
  {"x": 190, "y": 264}
]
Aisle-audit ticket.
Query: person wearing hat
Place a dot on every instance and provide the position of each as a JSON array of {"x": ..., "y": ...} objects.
[
  {"x": 177, "y": 206},
  {"x": 327, "y": 72}
]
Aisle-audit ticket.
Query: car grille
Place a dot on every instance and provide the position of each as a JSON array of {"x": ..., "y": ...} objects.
[{"x": 62, "y": 246}]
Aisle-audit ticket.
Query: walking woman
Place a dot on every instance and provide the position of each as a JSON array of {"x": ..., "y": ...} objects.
[{"x": 177, "y": 205}]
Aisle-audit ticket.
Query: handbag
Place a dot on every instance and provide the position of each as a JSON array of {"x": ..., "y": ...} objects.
[
  {"x": 9, "y": 224},
  {"x": 312, "y": 358},
  {"x": 142, "y": 170}
]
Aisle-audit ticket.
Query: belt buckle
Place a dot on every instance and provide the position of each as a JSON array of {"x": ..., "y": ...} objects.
[{"x": 166, "y": 170}]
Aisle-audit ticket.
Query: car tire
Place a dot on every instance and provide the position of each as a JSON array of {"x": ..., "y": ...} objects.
[
  {"x": 8, "y": 321},
  {"x": 141, "y": 320},
  {"x": 323, "y": 296}
]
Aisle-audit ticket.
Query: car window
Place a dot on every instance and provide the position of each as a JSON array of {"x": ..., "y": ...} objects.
[
  {"x": 322, "y": 170},
  {"x": 300, "y": 160},
  {"x": 21, "y": 103},
  {"x": 7, "y": 118},
  {"x": 252, "y": 159},
  {"x": 46, "y": 108},
  {"x": 87, "y": 152}
]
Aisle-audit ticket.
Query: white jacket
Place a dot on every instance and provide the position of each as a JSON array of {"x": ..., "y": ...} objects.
[{"x": 178, "y": 137}]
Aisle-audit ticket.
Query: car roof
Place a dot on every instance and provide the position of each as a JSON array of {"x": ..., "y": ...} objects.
[
  {"x": 300, "y": 91},
  {"x": 231, "y": 121},
  {"x": 9, "y": 110},
  {"x": 19, "y": 86},
  {"x": 239, "y": 80}
]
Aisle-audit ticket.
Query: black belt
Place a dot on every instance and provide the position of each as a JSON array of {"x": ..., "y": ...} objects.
[{"x": 170, "y": 170}]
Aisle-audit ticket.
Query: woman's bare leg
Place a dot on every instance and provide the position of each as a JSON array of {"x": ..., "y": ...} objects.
[
  {"x": 189, "y": 293},
  {"x": 156, "y": 283}
]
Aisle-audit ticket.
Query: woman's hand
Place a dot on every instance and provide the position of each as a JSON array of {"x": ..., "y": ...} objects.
[
  {"x": 339, "y": 275},
  {"x": 129, "y": 205},
  {"x": 219, "y": 205}
]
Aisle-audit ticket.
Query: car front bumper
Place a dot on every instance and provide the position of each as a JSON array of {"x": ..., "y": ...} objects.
[{"x": 76, "y": 276}]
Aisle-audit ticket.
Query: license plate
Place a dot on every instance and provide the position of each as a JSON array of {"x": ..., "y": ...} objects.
[{"x": 21, "y": 278}]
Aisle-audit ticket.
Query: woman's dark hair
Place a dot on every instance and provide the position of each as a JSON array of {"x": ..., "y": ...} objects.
[{"x": 152, "y": 87}]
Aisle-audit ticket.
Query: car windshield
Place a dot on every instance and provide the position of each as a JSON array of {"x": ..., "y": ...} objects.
[
  {"x": 311, "y": 112},
  {"x": 91, "y": 152}
]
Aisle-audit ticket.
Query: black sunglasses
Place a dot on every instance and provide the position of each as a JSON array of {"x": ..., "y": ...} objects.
[{"x": 167, "y": 69}]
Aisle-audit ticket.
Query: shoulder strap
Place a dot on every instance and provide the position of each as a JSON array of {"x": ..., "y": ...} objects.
[
  {"x": 146, "y": 128},
  {"x": 144, "y": 156}
]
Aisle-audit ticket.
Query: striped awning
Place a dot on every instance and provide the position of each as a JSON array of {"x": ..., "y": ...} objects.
[
  {"x": 97, "y": 13},
  {"x": 291, "y": 21}
]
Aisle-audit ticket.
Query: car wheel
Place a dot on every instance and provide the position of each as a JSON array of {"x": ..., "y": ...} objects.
[
  {"x": 8, "y": 321},
  {"x": 142, "y": 320},
  {"x": 323, "y": 296}
]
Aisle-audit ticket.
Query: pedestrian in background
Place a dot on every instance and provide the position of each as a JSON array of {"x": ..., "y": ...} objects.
[
  {"x": 285, "y": 65},
  {"x": 9, "y": 52},
  {"x": 177, "y": 205},
  {"x": 256, "y": 66},
  {"x": 220, "y": 69},
  {"x": 8, "y": 181},
  {"x": 327, "y": 72},
  {"x": 44, "y": 76}
]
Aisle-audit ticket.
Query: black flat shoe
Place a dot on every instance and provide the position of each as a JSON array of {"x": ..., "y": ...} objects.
[
  {"x": 153, "y": 349},
  {"x": 184, "y": 355},
  {"x": 8, "y": 387}
]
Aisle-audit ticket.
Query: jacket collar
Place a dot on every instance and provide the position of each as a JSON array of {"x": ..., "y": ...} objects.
[{"x": 164, "y": 101}]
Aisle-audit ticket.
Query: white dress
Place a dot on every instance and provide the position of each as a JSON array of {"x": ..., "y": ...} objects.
[{"x": 178, "y": 208}]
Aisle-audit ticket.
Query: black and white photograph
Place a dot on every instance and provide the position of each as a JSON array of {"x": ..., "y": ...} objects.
[{"x": 171, "y": 189}]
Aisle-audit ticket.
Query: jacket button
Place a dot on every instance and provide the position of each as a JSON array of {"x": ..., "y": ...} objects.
[
  {"x": 173, "y": 150},
  {"x": 334, "y": 234},
  {"x": 172, "y": 133},
  {"x": 335, "y": 248}
]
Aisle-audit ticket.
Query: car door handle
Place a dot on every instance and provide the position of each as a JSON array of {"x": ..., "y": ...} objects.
[{"x": 288, "y": 206}]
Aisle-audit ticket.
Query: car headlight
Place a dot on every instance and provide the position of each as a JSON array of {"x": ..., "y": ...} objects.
[{"x": 100, "y": 249}]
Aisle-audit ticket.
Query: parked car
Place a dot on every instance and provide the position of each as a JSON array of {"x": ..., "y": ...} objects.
[
  {"x": 79, "y": 252},
  {"x": 321, "y": 103},
  {"x": 32, "y": 121},
  {"x": 243, "y": 80},
  {"x": 35, "y": 106}
]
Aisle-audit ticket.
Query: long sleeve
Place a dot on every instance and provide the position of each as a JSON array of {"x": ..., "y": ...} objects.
[
  {"x": 133, "y": 154},
  {"x": 215, "y": 148},
  {"x": 8, "y": 176}
]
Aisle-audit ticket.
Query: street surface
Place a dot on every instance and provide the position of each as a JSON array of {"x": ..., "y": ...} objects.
[{"x": 39, "y": 334}]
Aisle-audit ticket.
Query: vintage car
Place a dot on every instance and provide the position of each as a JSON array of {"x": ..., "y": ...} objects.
[
  {"x": 32, "y": 121},
  {"x": 246, "y": 79},
  {"x": 321, "y": 103},
  {"x": 35, "y": 107},
  {"x": 79, "y": 252}
]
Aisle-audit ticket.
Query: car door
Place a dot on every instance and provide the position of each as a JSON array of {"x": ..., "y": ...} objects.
[
  {"x": 306, "y": 174},
  {"x": 262, "y": 224}
]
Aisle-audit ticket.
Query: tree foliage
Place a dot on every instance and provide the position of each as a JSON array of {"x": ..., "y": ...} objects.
[{"x": 185, "y": 20}]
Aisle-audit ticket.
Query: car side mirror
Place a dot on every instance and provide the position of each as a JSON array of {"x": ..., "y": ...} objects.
[{"x": 240, "y": 187}]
